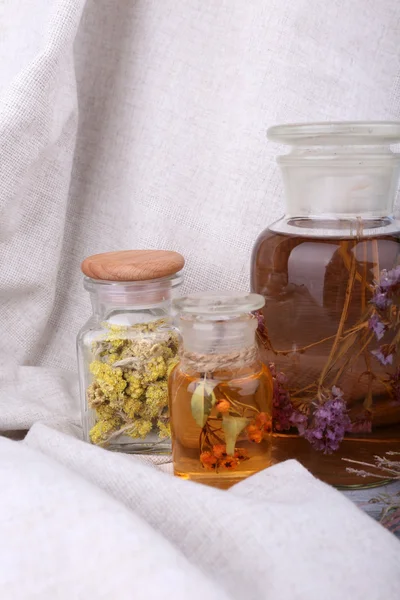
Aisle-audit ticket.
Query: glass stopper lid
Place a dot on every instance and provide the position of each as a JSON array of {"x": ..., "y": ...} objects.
[
  {"x": 336, "y": 133},
  {"x": 218, "y": 303}
]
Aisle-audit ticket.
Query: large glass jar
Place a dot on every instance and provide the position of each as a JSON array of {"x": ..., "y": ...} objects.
[
  {"x": 127, "y": 348},
  {"x": 220, "y": 392},
  {"x": 329, "y": 272}
]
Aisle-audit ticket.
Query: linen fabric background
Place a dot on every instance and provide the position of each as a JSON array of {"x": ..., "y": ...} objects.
[{"x": 141, "y": 124}]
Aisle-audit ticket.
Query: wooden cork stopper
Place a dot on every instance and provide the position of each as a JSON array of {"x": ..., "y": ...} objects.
[{"x": 133, "y": 265}]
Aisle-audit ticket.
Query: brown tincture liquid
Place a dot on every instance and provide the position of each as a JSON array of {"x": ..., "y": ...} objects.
[
  {"x": 251, "y": 387},
  {"x": 305, "y": 282}
]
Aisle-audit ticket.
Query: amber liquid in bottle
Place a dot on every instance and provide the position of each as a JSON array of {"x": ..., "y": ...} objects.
[
  {"x": 318, "y": 304},
  {"x": 198, "y": 453}
]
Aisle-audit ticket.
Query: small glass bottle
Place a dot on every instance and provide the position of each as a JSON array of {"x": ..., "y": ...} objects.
[
  {"x": 220, "y": 392},
  {"x": 126, "y": 349},
  {"x": 329, "y": 271}
]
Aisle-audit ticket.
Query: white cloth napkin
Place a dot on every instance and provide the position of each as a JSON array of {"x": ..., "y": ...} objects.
[{"x": 78, "y": 522}]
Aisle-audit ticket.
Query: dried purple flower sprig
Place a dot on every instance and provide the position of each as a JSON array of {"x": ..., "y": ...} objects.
[
  {"x": 363, "y": 423},
  {"x": 387, "y": 468},
  {"x": 385, "y": 291},
  {"x": 384, "y": 354},
  {"x": 329, "y": 423},
  {"x": 376, "y": 325},
  {"x": 386, "y": 288},
  {"x": 325, "y": 428},
  {"x": 282, "y": 408}
]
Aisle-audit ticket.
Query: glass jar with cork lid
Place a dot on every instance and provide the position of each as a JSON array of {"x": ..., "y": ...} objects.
[
  {"x": 220, "y": 393},
  {"x": 127, "y": 348}
]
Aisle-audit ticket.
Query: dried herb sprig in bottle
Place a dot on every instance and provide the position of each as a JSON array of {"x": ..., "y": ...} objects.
[
  {"x": 127, "y": 348},
  {"x": 220, "y": 392}
]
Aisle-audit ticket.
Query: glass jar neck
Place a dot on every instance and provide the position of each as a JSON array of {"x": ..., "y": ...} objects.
[
  {"x": 345, "y": 182},
  {"x": 217, "y": 336},
  {"x": 116, "y": 314},
  {"x": 128, "y": 303}
]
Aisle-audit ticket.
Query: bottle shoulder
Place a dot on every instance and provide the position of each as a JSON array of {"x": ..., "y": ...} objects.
[
  {"x": 334, "y": 227},
  {"x": 302, "y": 230},
  {"x": 255, "y": 370}
]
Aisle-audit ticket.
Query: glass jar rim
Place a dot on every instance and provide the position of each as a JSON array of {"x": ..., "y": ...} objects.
[
  {"x": 360, "y": 133},
  {"x": 218, "y": 304},
  {"x": 172, "y": 281}
]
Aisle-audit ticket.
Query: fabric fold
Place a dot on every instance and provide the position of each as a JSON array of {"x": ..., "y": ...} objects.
[
  {"x": 69, "y": 539},
  {"x": 279, "y": 534}
]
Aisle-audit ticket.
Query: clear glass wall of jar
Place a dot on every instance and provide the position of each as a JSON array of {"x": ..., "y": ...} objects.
[
  {"x": 220, "y": 392},
  {"x": 127, "y": 348},
  {"x": 329, "y": 271}
]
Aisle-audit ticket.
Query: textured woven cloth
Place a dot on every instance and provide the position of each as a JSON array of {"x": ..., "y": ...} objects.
[
  {"x": 141, "y": 124},
  {"x": 87, "y": 523}
]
